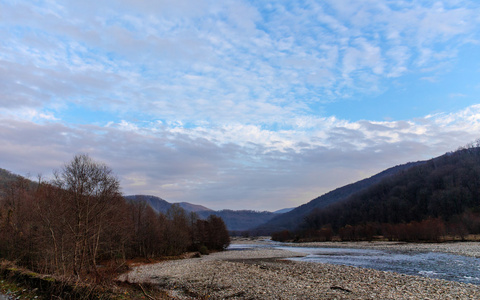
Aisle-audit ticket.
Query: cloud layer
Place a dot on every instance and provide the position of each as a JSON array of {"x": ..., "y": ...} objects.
[
  {"x": 241, "y": 167},
  {"x": 237, "y": 104}
]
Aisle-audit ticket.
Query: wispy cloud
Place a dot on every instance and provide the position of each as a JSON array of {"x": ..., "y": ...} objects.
[
  {"x": 231, "y": 166},
  {"x": 227, "y": 102},
  {"x": 234, "y": 51}
]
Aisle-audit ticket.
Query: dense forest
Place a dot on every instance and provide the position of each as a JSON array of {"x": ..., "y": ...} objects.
[
  {"x": 79, "y": 221},
  {"x": 425, "y": 202}
]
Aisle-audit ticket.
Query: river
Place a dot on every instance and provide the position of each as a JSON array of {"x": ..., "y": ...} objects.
[{"x": 428, "y": 264}]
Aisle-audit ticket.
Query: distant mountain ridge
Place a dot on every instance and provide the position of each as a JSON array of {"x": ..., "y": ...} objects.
[
  {"x": 292, "y": 219},
  {"x": 235, "y": 220},
  {"x": 162, "y": 206},
  {"x": 284, "y": 210},
  {"x": 157, "y": 203},
  {"x": 240, "y": 220},
  {"x": 193, "y": 207}
]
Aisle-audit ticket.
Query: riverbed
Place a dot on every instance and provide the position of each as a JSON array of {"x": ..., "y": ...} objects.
[
  {"x": 266, "y": 272},
  {"x": 430, "y": 264}
]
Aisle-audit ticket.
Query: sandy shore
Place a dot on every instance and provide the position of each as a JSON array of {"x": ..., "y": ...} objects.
[{"x": 262, "y": 274}]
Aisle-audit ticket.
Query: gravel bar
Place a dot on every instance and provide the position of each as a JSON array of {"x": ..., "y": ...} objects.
[
  {"x": 264, "y": 274},
  {"x": 459, "y": 248}
]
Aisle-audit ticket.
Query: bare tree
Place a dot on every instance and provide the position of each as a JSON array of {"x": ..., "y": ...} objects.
[
  {"x": 177, "y": 231},
  {"x": 90, "y": 192}
]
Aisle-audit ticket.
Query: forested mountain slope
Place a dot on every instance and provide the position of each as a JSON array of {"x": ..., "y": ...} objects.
[
  {"x": 7, "y": 178},
  {"x": 193, "y": 207},
  {"x": 294, "y": 218},
  {"x": 157, "y": 203},
  {"x": 444, "y": 187}
]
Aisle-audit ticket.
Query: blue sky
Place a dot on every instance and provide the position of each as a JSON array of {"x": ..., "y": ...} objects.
[{"x": 237, "y": 104}]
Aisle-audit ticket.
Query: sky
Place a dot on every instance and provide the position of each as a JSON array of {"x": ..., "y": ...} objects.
[{"x": 255, "y": 105}]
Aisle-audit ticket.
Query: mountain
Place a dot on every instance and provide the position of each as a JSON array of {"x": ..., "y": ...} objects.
[
  {"x": 292, "y": 219},
  {"x": 284, "y": 210},
  {"x": 157, "y": 203},
  {"x": 235, "y": 220},
  {"x": 162, "y": 206},
  {"x": 193, "y": 207},
  {"x": 240, "y": 220},
  {"x": 6, "y": 178},
  {"x": 443, "y": 192}
]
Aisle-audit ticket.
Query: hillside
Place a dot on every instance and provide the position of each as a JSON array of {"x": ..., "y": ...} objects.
[
  {"x": 7, "y": 178},
  {"x": 162, "y": 206},
  {"x": 158, "y": 204},
  {"x": 291, "y": 220},
  {"x": 193, "y": 207},
  {"x": 284, "y": 210},
  {"x": 442, "y": 193}
]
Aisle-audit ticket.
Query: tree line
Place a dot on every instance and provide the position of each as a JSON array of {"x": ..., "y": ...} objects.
[
  {"x": 425, "y": 202},
  {"x": 72, "y": 224}
]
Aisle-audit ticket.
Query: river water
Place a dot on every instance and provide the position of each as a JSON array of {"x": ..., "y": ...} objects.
[{"x": 428, "y": 264}]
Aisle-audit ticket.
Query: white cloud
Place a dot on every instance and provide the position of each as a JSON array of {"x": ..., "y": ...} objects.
[
  {"x": 174, "y": 55},
  {"x": 236, "y": 165},
  {"x": 224, "y": 102}
]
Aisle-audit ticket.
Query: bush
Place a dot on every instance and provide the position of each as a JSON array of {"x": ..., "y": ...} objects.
[
  {"x": 282, "y": 236},
  {"x": 203, "y": 250}
]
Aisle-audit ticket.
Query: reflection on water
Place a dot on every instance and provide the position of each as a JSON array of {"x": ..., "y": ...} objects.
[{"x": 428, "y": 264}]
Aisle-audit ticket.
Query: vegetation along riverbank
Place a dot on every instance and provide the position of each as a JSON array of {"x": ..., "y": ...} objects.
[{"x": 80, "y": 232}]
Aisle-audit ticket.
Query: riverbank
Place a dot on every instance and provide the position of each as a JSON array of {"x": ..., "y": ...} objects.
[
  {"x": 21, "y": 284},
  {"x": 262, "y": 273},
  {"x": 460, "y": 248}
]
